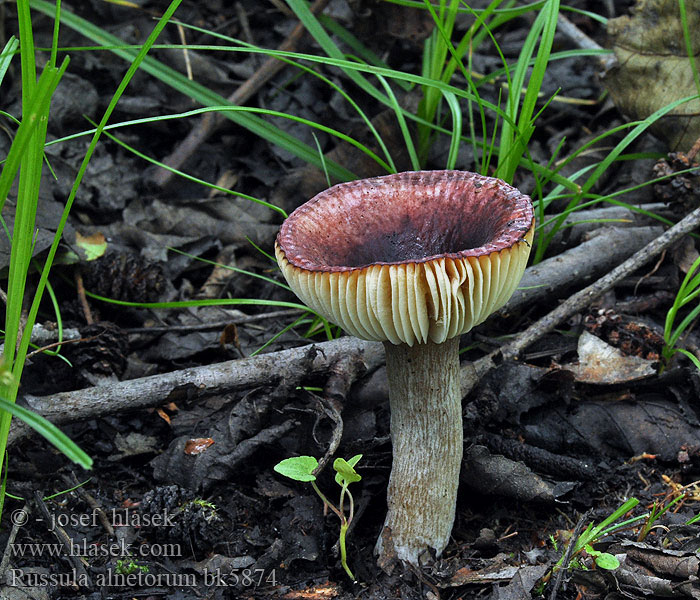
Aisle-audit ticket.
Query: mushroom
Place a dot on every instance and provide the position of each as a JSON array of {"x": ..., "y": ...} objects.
[{"x": 413, "y": 260}]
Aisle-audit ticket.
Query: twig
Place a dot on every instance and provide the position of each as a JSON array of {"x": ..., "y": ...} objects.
[
  {"x": 567, "y": 555},
  {"x": 78, "y": 563},
  {"x": 343, "y": 373},
  {"x": 211, "y": 121},
  {"x": 89, "y": 499},
  {"x": 245, "y": 24},
  {"x": 218, "y": 379},
  {"x": 82, "y": 297},
  {"x": 60, "y": 344},
  {"x": 229, "y": 376},
  {"x": 654, "y": 269},
  {"x": 243, "y": 319},
  {"x": 581, "y": 40},
  {"x": 473, "y": 372},
  {"x": 18, "y": 519},
  {"x": 580, "y": 264},
  {"x": 185, "y": 51}
]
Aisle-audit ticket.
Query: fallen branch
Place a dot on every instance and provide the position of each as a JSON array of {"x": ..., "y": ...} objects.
[
  {"x": 220, "y": 378},
  {"x": 473, "y": 372},
  {"x": 579, "y": 265},
  {"x": 579, "y": 224}
]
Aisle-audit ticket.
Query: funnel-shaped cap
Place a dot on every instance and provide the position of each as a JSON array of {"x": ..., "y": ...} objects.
[{"x": 409, "y": 257}]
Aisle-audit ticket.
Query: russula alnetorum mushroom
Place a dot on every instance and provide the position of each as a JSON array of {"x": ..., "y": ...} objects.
[{"x": 414, "y": 260}]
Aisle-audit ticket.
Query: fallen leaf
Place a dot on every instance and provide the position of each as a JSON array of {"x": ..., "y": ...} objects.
[
  {"x": 93, "y": 245},
  {"x": 163, "y": 415},
  {"x": 602, "y": 363},
  {"x": 197, "y": 445},
  {"x": 651, "y": 56}
]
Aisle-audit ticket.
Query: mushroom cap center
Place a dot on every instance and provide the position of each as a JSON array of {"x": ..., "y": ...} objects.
[{"x": 406, "y": 217}]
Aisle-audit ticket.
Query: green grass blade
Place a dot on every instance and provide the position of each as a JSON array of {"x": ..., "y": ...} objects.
[
  {"x": 691, "y": 356},
  {"x": 37, "y": 106},
  {"x": 200, "y": 93},
  {"x": 36, "y": 99},
  {"x": 514, "y": 141},
  {"x": 456, "y": 129},
  {"x": 6, "y": 57},
  {"x": 639, "y": 128},
  {"x": 31, "y": 317},
  {"x": 316, "y": 30},
  {"x": 408, "y": 141},
  {"x": 179, "y": 173},
  {"x": 49, "y": 431}
]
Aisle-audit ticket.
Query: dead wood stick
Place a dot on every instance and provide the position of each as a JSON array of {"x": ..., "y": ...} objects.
[
  {"x": 18, "y": 519},
  {"x": 580, "y": 264},
  {"x": 221, "y": 378},
  {"x": 581, "y": 40},
  {"x": 235, "y": 320},
  {"x": 77, "y": 562},
  {"x": 556, "y": 585},
  {"x": 473, "y": 372},
  {"x": 343, "y": 374},
  {"x": 578, "y": 224},
  {"x": 211, "y": 121}
]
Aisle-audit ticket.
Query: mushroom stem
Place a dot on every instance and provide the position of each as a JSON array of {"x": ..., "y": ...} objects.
[{"x": 426, "y": 432}]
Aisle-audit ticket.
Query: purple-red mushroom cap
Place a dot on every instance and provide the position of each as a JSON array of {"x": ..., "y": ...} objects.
[{"x": 409, "y": 257}]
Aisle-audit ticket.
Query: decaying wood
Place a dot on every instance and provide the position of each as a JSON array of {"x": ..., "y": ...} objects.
[
  {"x": 220, "y": 378},
  {"x": 578, "y": 223},
  {"x": 211, "y": 121},
  {"x": 473, "y": 372},
  {"x": 580, "y": 264},
  {"x": 63, "y": 539},
  {"x": 543, "y": 461},
  {"x": 559, "y": 575},
  {"x": 343, "y": 373},
  {"x": 17, "y": 523}
]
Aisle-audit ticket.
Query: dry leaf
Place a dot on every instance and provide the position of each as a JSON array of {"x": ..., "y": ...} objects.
[
  {"x": 163, "y": 415},
  {"x": 197, "y": 445},
  {"x": 604, "y": 364},
  {"x": 93, "y": 245},
  {"x": 653, "y": 69}
]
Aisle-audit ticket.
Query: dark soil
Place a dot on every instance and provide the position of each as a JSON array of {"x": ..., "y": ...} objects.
[{"x": 183, "y": 501}]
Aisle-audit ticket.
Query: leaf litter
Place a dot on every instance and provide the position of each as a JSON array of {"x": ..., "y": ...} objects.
[{"x": 580, "y": 422}]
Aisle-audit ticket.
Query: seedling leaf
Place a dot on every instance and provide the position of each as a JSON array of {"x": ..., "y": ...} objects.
[
  {"x": 93, "y": 246},
  {"x": 299, "y": 468},
  {"x": 354, "y": 460},
  {"x": 345, "y": 472},
  {"x": 607, "y": 561},
  {"x": 604, "y": 560}
]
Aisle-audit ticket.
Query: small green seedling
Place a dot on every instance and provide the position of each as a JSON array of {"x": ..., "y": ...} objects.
[
  {"x": 604, "y": 560},
  {"x": 204, "y": 504},
  {"x": 301, "y": 468},
  {"x": 593, "y": 534},
  {"x": 656, "y": 512},
  {"x": 128, "y": 566},
  {"x": 687, "y": 293}
]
